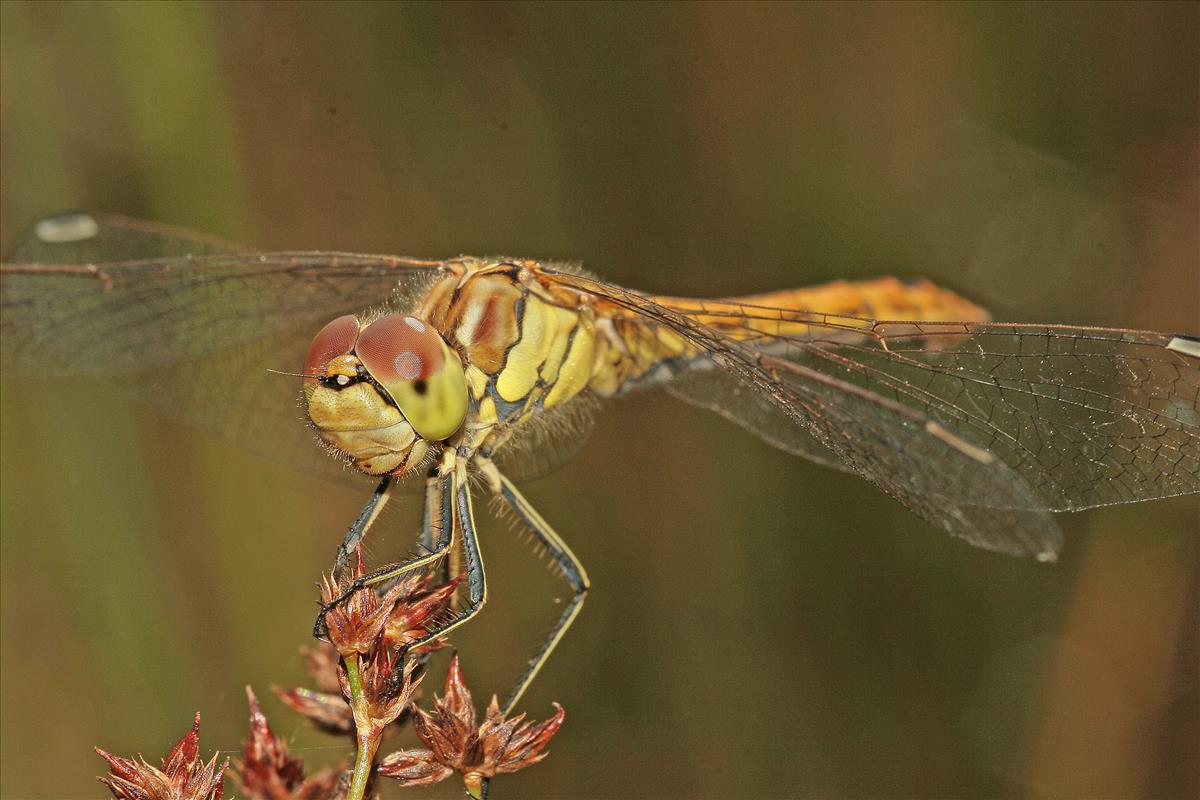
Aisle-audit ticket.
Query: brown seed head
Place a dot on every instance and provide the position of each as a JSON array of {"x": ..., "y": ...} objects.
[
  {"x": 325, "y": 707},
  {"x": 387, "y": 689},
  {"x": 184, "y": 776},
  {"x": 419, "y": 604},
  {"x": 329, "y": 712},
  {"x": 455, "y": 743},
  {"x": 355, "y": 623},
  {"x": 268, "y": 772},
  {"x": 321, "y": 662}
]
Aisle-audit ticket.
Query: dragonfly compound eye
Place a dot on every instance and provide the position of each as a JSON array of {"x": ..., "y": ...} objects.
[
  {"x": 412, "y": 362},
  {"x": 335, "y": 339}
]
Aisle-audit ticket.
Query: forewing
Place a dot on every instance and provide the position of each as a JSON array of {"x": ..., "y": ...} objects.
[
  {"x": 978, "y": 428},
  {"x": 187, "y": 327}
]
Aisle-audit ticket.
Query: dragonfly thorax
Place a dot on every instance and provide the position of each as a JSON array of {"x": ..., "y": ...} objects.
[{"x": 383, "y": 393}]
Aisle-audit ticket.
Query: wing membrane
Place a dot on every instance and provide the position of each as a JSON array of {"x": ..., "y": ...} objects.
[
  {"x": 1087, "y": 417},
  {"x": 189, "y": 329},
  {"x": 66, "y": 309},
  {"x": 980, "y": 428},
  {"x": 723, "y": 394}
]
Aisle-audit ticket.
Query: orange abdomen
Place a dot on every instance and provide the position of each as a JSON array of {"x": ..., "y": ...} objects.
[{"x": 637, "y": 348}]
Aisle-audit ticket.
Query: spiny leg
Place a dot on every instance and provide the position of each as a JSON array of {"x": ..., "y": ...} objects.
[
  {"x": 438, "y": 516},
  {"x": 464, "y": 519},
  {"x": 366, "y": 518},
  {"x": 572, "y": 571},
  {"x": 438, "y": 513}
]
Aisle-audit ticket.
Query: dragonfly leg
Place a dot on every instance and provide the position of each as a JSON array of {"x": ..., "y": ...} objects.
[
  {"x": 462, "y": 516},
  {"x": 436, "y": 537},
  {"x": 437, "y": 508},
  {"x": 366, "y": 518},
  {"x": 572, "y": 571}
]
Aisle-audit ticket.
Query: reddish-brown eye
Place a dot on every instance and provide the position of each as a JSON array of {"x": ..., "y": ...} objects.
[
  {"x": 335, "y": 339},
  {"x": 420, "y": 372},
  {"x": 400, "y": 348}
]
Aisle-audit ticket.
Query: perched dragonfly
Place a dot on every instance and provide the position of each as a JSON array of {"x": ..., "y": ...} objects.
[{"x": 440, "y": 368}]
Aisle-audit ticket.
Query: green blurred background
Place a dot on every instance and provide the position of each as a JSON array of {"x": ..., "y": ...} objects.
[{"x": 759, "y": 626}]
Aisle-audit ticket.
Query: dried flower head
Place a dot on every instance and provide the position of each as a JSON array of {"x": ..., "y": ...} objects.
[
  {"x": 184, "y": 775},
  {"x": 321, "y": 662},
  {"x": 325, "y": 707},
  {"x": 387, "y": 688},
  {"x": 353, "y": 624},
  {"x": 268, "y": 772},
  {"x": 419, "y": 604},
  {"x": 454, "y": 742}
]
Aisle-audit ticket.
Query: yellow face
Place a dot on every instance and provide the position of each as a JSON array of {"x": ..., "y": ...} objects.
[{"x": 385, "y": 392}]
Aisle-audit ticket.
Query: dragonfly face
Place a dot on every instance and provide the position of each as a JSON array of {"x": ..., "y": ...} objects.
[{"x": 382, "y": 393}]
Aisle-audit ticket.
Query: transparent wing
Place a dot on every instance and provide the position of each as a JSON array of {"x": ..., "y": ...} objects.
[
  {"x": 76, "y": 237},
  {"x": 722, "y": 393},
  {"x": 981, "y": 429},
  {"x": 548, "y": 441},
  {"x": 187, "y": 326},
  {"x": 77, "y": 306}
]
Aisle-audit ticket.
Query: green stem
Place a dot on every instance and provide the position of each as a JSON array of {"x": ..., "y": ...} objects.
[{"x": 366, "y": 744}]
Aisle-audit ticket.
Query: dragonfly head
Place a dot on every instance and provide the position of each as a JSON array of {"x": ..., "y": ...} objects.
[{"x": 384, "y": 392}]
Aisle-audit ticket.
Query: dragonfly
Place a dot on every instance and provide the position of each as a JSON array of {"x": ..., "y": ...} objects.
[{"x": 439, "y": 370}]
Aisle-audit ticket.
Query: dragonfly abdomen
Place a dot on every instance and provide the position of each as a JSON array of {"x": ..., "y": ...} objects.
[
  {"x": 836, "y": 311},
  {"x": 642, "y": 353}
]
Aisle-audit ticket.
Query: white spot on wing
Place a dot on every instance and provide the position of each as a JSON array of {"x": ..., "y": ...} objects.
[
  {"x": 66, "y": 228},
  {"x": 415, "y": 324},
  {"x": 1182, "y": 344}
]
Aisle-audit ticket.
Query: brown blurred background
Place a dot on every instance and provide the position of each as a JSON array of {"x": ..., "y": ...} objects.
[{"x": 759, "y": 626}]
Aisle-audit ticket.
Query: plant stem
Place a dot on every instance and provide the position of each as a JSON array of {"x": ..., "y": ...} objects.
[{"x": 367, "y": 743}]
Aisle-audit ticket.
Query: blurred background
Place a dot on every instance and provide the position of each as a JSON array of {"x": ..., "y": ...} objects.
[{"x": 759, "y": 626}]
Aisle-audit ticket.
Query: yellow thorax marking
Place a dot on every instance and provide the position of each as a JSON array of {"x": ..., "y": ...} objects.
[{"x": 543, "y": 326}]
